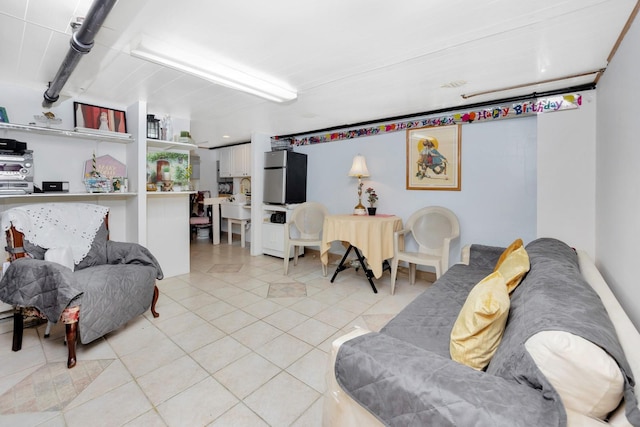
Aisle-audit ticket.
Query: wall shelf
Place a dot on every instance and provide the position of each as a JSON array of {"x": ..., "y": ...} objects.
[
  {"x": 170, "y": 145},
  {"x": 65, "y": 195},
  {"x": 124, "y": 138},
  {"x": 168, "y": 193}
]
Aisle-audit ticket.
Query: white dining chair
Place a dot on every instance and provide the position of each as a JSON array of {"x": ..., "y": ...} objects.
[
  {"x": 304, "y": 229},
  {"x": 432, "y": 228}
]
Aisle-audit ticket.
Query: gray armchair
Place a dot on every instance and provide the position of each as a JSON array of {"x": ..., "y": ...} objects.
[{"x": 112, "y": 284}]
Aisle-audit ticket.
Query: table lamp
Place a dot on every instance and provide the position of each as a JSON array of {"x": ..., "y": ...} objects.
[{"x": 359, "y": 169}]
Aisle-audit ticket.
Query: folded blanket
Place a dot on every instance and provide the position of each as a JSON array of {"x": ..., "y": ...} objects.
[{"x": 45, "y": 285}]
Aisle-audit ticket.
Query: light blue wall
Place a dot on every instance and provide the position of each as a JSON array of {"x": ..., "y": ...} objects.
[
  {"x": 618, "y": 175},
  {"x": 496, "y": 205}
]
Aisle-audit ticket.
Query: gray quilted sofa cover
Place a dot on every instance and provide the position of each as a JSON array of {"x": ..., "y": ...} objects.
[
  {"x": 405, "y": 377},
  {"x": 112, "y": 284}
]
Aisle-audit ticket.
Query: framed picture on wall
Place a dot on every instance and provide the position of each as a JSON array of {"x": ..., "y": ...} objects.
[
  {"x": 4, "y": 118},
  {"x": 433, "y": 158},
  {"x": 94, "y": 118}
]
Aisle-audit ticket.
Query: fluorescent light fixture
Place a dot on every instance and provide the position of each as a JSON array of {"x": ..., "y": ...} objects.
[{"x": 217, "y": 73}]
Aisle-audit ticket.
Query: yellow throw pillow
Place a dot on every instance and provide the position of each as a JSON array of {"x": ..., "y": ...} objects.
[
  {"x": 512, "y": 247},
  {"x": 513, "y": 264},
  {"x": 481, "y": 322}
]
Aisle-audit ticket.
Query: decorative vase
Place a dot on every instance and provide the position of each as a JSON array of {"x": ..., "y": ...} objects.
[{"x": 372, "y": 211}]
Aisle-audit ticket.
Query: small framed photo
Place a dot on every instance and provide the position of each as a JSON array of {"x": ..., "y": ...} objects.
[
  {"x": 433, "y": 158},
  {"x": 96, "y": 118},
  {"x": 4, "y": 118},
  {"x": 120, "y": 184}
]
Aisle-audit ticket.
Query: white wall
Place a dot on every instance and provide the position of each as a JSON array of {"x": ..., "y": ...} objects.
[
  {"x": 61, "y": 158},
  {"x": 207, "y": 179},
  {"x": 164, "y": 231},
  {"x": 260, "y": 143},
  {"x": 496, "y": 205},
  {"x": 566, "y": 175},
  {"x": 55, "y": 159},
  {"x": 618, "y": 174}
]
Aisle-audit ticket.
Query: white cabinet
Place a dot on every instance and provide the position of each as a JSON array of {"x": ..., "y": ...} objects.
[
  {"x": 273, "y": 233},
  {"x": 224, "y": 155},
  {"x": 241, "y": 157},
  {"x": 235, "y": 161}
]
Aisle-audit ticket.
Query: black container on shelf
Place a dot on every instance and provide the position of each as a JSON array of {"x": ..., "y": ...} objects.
[{"x": 153, "y": 127}]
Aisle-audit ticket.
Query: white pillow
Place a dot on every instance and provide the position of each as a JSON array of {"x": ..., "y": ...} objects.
[
  {"x": 587, "y": 379},
  {"x": 62, "y": 256}
]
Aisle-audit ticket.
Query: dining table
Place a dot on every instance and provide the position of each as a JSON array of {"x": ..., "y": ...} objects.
[{"x": 369, "y": 236}]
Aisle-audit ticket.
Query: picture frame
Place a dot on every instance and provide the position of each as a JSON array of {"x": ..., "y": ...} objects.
[
  {"x": 94, "y": 118},
  {"x": 4, "y": 118},
  {"x": 433, "y": 158}
]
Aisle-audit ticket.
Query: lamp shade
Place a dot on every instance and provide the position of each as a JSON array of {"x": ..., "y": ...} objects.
[{"x": 359, "y": 167}]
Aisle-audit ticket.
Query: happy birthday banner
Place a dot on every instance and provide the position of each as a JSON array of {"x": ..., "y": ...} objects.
[{"x": 518, "y": 109}]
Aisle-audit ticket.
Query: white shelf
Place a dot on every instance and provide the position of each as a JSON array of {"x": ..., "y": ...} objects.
[
  {"x": 64, "y": 195},
  {"x": 168, "y": 193},
  {"x": 111, "y": 137},
  {"x": 170, "y": 145}
]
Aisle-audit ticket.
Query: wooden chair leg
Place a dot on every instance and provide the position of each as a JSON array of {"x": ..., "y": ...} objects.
[
  {"x": 156, "y": 293},
  {"x": 18, "y": 326},
  {"x": 71, "y": 330}
]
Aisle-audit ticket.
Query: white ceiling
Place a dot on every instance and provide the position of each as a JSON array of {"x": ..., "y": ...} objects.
[{"x": 349, "y": 60}]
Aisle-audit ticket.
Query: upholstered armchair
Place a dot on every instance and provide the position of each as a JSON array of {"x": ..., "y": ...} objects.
[{"x": 64, "y": 267}]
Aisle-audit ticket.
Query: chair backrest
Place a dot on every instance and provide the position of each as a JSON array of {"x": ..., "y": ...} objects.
[
  {"x": 198, "y": 208},
  {"x": 15, "y": 240},
  {"x": 432, "y": 228},
  {"x": 308, "y": 218}
]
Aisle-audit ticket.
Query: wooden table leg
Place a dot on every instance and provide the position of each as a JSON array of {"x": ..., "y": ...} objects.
[
  {"x": 18, "y": 326},
  {"x": 155, "y": 299},
  {"x": 71, "y": 330}
]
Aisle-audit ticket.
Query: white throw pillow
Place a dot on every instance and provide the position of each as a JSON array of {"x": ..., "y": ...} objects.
[
  {"x": 62, "y": 256},
  {"x": 587, "y": 379}
]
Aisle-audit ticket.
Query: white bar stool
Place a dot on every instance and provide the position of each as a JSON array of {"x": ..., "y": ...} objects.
[
  {"x": 243, "y": 225},
  {"x": 215, "y": 217}
]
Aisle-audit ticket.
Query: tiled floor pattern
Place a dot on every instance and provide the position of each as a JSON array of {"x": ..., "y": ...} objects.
[
  {"x": 284, "y": 290},
  {"x": 51, "y": 387},
  {"x": 237, "y": 343}
]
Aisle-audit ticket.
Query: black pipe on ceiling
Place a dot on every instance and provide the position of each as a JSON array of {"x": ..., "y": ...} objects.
[{"x": 81, "y": 43}]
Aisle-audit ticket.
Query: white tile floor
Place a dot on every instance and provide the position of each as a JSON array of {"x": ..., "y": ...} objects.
[{"x": 222, "y": 353}]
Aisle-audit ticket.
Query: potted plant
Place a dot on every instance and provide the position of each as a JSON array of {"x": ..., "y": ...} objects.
[
  {"x": 372, "y": 198},
  {"x": 166, "y": 173}
]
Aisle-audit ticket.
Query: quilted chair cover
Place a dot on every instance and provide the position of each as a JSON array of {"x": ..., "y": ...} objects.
[{"x": 113, "y": 283}]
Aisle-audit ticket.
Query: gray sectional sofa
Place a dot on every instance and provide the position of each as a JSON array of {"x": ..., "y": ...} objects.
[{"x": 558, "y": 343}]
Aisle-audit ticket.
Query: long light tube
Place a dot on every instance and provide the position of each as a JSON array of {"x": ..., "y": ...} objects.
[{"x": 220, "y": 74}]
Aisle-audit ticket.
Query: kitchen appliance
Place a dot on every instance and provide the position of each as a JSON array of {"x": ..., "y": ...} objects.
[{"x": 285, "y": 177}]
